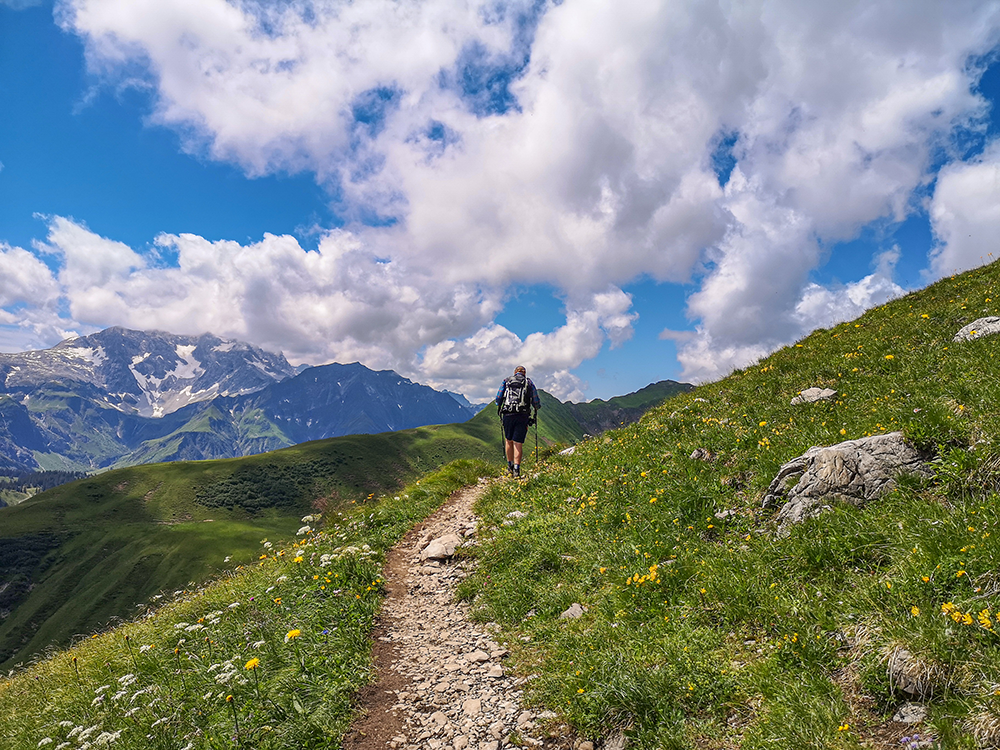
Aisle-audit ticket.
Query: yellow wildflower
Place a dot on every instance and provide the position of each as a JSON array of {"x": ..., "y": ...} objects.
[{"x": 252, "y": 664}]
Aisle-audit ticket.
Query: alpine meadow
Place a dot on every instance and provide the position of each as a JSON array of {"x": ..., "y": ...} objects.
[{"x": 702, "y": 624}]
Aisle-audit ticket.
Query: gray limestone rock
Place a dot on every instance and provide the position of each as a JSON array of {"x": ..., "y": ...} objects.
[
  {"x": 978, "y": 328},
  {"x": 441, "y": 548},
  {"x": 811, "y": 395},
  {"x": 855, "y": 471},
  {"x": 574, "y": 612},
  {"x": 911, "y": 713},
  {"x": 913, "y": 676}
]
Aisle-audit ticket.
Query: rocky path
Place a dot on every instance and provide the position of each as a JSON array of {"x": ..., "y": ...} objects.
[{"x": 441, "y": 681}]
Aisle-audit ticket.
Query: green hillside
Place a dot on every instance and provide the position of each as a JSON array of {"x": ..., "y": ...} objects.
[
  {"x": 269, "y": 656},
  {"x": 76, "y": 556},
  {"x": 704, "y": 627}
]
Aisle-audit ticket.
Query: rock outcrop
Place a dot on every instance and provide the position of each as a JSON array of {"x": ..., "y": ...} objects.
[
  {"x": 978, "y": 328},
  {"x": 811, "y": 395},
  {"x": 855, "y": 471}
]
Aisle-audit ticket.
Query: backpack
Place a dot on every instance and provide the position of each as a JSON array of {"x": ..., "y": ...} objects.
[{"x": 516, "y": 395}]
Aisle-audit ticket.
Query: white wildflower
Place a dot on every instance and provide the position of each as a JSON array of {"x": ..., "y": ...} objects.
[
  {"x": 119, "y": 695},
  {"x": 303, "y": 531},
  {"x": 104, "y": 739},
  {"x": 181, "y": 625},
  {"x": 46, "y": 741},
  {"x": 194, "y": 628},
  {"x": 234, "y": 605},
  {"x": 281, "y": 579},
  {"x": 62, "y": 746},
  {"x": 257, "y": 644},
  {"x": 144, "y": 649},
  {"x": 65, "y": 724},
  {"x": 127, "y": 679}
]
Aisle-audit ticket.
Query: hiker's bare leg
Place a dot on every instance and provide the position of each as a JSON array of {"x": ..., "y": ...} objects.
[
  {"x": 518, "y": 451},
  {"x": 509, "y": 449}
]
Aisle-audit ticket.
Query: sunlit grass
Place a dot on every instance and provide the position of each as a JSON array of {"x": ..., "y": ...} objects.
[
  {"x": 705, "y": 628},
  {"x": 267, "y": 657}
]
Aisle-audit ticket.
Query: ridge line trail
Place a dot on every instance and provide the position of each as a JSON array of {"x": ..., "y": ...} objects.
[{"x": 440, "y": 682}]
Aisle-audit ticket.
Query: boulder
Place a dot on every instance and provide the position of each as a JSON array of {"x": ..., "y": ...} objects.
[
  {"x": 912, "y": 676},
  {"x": 910, "y": 713},
  {"x": 574, "y": 612},
  {"x": 978, "y": 328},
  {"x": 441, "y": 548},
  {"x": 702, "y": 454},
  {"x": 568, "y": 451},
  {"x": 812, "y": 395},
  {"x": 855, "y": 471}
]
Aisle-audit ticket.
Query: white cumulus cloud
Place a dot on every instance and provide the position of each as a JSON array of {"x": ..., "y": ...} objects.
[
  {"x": 965, "y": 214},
  {"x": 570, "y": 144}
]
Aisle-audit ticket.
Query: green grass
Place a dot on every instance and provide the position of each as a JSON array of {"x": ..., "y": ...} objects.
[
  {"x": 128, "y": 534},
  {"x": 704, "y": 628},
  {"x": 703, "y": 631},
  {"x": 131, "y": 533},
  {"x": 269, "y": 656}
]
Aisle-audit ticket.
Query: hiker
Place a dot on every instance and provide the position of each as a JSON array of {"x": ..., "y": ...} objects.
[{"x": 515, "y": 400}]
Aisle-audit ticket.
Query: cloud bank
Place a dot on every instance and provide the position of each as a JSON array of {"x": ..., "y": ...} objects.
[{"x": 476, "y": 145}]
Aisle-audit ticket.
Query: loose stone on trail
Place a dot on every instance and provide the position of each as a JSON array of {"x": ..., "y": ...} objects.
[{"x": 441, "y": 548}]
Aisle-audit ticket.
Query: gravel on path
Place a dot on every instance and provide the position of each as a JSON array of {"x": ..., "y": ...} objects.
[{"x": 441, "y": 682}]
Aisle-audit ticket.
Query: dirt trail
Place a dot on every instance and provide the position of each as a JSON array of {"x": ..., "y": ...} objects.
[{"x": 441, "y": 680}]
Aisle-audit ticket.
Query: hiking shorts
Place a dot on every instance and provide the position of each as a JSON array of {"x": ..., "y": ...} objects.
[{"x": 515, "y": 426}]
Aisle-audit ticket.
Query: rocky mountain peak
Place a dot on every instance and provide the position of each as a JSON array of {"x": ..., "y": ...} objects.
[{"x": 151, "y": 373}]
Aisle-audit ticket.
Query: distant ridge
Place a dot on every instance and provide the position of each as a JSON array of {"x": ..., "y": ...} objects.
[{"x": 122, "y": 397}]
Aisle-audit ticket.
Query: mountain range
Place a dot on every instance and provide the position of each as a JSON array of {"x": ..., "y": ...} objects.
[{"x": 121, "y": 397}]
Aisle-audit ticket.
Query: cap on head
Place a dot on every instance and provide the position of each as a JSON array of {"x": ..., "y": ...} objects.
[{"x": 520, "y": 368}]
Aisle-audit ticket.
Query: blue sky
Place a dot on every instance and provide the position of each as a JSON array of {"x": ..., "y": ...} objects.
[{"x": 455, "y": 189}]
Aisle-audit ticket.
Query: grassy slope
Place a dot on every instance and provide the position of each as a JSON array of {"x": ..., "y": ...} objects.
[
  {"x": 130, "y": 533},
  {"x": 711, "y": 633},
  {"x": 127, "y": 534},
  {"x": 268, "y": 657}
]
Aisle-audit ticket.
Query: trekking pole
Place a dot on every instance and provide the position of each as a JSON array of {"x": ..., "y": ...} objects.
[
  {"x": 536, "y": 439},
  {"x": 503, "y": 438}
]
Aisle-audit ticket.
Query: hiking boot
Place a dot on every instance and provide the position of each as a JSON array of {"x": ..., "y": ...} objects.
[{"x": 517, "y": 471}]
